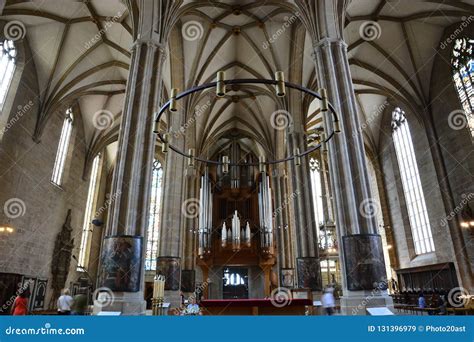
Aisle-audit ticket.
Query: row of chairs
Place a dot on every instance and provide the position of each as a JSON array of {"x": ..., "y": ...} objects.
[{"x": 408, "y": 302}]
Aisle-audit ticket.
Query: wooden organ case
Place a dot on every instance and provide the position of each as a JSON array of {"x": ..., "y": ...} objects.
[{"x": 236, "y": 219}]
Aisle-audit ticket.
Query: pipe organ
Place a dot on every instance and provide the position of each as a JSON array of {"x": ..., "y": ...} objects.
[
  {"x": 205, "y": 215},
  {"x": 236, "y": 217}
]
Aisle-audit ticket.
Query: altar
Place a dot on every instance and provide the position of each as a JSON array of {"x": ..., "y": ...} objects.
[{"x": 254, "y": 307}]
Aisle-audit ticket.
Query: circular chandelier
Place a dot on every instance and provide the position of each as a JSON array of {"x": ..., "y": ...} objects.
[{"x": 280, "y": 88}]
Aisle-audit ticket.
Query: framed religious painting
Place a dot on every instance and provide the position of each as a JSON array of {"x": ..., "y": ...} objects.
[{"x": 40, "y": 294}]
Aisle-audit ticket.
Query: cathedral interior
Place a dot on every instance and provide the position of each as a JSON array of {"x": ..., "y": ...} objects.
[{"x": 250, "y": 156}]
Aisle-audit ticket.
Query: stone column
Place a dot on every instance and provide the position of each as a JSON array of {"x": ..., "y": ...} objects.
[
  {"x": 176, "y": 210},
  {"x": 287, "y": 262},
  {"x": 326, "y": 191},
  {"x": 192, "y": 186},
  {"x": 307, "y": 251},
  {"x": 282, "y": 204},
  {"x": 364, "y": 277},
  {"x": 121, "y": 273},
  {"x": 278, "y": 216},
  {"x": 363, "y": 267}
]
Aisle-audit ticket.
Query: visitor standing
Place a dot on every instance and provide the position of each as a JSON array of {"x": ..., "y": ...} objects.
[
  {"x": 79, "y": 306},
  {"x": 65, "y": 303}
]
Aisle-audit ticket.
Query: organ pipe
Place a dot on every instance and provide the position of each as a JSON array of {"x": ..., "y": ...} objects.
[
  {"x": 205, "y": 214},
  {"x": 248, "y": 237},
  {"x": 265, "y": 212},
  {"x": 235, "y": 232},
  {"x": 224, "y": 235}
]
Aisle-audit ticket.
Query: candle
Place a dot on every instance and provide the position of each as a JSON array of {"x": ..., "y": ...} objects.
[{"x": 156, "y": 284}]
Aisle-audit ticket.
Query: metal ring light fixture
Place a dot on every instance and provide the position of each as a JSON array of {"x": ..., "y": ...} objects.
[{"x": 220, "y": 85}]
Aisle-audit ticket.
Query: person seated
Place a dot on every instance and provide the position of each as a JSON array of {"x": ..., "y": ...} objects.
[
  {"x": 192, "y": 309},
  {"x": 421, "y": 301},
  {"x": 442, "y": 304}
]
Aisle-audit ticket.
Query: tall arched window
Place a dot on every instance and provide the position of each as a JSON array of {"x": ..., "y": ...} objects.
[
  {"x": 314, "y": 168},
  {"x": 61, "y": 154},
  {"x": 87, "y": 226},
  {"x": 7, "y": 68},
  {"x": 411, "y": 182},
  {"x": 463, "y": 75},
  {"x": 154, "y": 217}
]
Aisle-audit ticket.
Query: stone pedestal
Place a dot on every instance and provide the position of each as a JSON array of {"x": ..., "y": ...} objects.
[
  {"x": 356, "y": 303},
  {"x": 129, "y": 304}
]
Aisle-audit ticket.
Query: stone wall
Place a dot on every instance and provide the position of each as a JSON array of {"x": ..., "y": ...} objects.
[
  {"x": 456, "y": 143},
  {"x": 396, "y": 199},
  {"x": 25, "y": 173},
  {"x": 374, "y": 189}
]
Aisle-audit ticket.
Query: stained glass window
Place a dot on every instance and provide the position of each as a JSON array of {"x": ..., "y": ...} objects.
[
  {"x": 411, "y": 182},
  {"x": 154, "y": 217},
  {"x": 463, "y": 75}
]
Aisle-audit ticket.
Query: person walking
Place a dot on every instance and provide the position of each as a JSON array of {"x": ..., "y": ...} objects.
[
  {"x": 328, "y": 301},
  {"x": 20, "y": 305},
  {"x": 65, "y": 303},
  {"x": 79, "y": 306}
]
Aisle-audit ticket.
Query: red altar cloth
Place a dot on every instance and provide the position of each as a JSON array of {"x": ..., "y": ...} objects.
[{"x": 251, "y": 302}]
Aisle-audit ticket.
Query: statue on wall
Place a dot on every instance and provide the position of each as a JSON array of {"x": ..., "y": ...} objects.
[{"x": 61, "y": 259}]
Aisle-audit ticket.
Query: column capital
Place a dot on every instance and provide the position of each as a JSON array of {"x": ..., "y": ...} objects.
[
  {"x": 323, "y": 18},
  {"x": 150, "y": 43},
  {"x": 156, "y": 18},
  {"x": 326, "y": 42}
]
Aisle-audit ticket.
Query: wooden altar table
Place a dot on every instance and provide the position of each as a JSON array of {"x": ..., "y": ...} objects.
[{"x": 253, "y": 307}]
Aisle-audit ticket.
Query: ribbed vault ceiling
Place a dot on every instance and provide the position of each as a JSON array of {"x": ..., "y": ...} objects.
[{"x": 82, "y": 52}]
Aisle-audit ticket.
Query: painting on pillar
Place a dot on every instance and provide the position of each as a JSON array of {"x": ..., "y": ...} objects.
[
  {"x": 188, "y": 280},
  {"x": 121, "y": 263},
  {"x": 308, "y": 273},
  {"x": 365, "y": 265},
  {"x": 169, "y": 267}
]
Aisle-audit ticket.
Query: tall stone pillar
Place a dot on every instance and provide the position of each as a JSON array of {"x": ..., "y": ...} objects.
[
  {"x": 307, "y": 251},
  {"x": 176, "y": 211},
  {"x": 364, "y": 277},
  {"x": 285, "y": 251},
  {"x": 121, "y": 273},
  {"x": 362, "y": 263}
]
